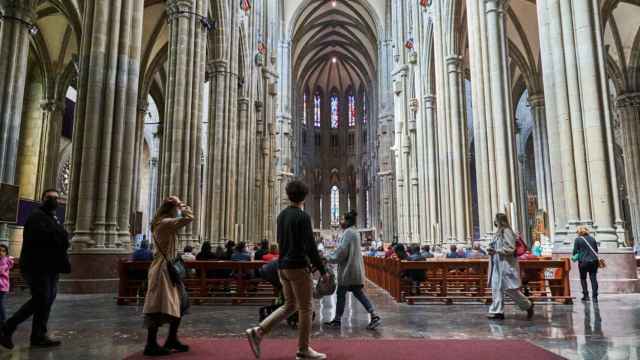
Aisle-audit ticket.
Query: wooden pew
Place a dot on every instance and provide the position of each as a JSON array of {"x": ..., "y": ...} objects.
[
  {"x": 206, "y": 281},
  {"x": 461, "y": 280}
]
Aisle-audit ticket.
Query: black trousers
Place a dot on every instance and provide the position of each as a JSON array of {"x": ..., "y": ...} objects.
[
  {"x": 589, "y": 268},
  {"x": 44, "y": 288}
]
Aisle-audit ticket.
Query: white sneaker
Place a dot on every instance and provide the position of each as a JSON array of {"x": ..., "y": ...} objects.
[
  {"x": 310, "y": 354},
  {"x": 254, "y": 340}
]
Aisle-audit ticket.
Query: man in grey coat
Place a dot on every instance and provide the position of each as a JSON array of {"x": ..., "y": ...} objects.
[
  {"x": 504, "y": 276},
  {"x": 350, "y": 278}
]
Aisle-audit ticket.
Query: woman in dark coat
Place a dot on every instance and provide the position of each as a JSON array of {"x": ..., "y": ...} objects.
[{"x": 585, "y": 249}]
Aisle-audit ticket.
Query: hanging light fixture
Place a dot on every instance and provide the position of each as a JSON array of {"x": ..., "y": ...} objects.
[{"x": 334, "y": 60}]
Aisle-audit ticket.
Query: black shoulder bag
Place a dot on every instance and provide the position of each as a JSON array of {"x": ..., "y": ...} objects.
[{"x": 176, "y": 268}]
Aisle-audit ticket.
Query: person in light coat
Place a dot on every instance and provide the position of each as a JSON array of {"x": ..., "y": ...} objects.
[
  {"x": 504, "y": 274},
  {"x": 165, "y": 302},
  {"x": 350, "y": 277}
]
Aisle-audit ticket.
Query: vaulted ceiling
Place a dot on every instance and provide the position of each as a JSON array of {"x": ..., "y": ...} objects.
[{"x": 334, "y": 46}]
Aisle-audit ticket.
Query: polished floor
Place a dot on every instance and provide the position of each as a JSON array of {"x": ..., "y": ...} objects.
[{"x": 94, "y": 327}]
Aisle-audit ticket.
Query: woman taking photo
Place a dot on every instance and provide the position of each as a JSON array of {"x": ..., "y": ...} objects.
[
  {"x": 505, "y": 272},
  {"x": 348, "y": 256},
  {"x": 165, "y": 302},
  {"x": 585, "y": 251}
]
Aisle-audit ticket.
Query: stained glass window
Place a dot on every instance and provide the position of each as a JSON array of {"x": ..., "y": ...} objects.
[
  {"x": 335, "y": 119},
  {"x": 352, "y": 110},
  {"x": 304, "y": 109},
  {"x": 364, "y": 107},
  {"x": 335, "y": 205},
  {"x": 316, "y": 111}
]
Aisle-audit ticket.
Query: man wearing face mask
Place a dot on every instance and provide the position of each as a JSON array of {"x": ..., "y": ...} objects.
[
  {"x": 43, "y": 258},
  {"x": 350, "y": 277}
]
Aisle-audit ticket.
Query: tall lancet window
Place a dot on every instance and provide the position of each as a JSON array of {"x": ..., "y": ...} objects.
[
  {"x": 335, "y": 117},
  {"x": 316, "y": 110},
  {"x": 364, "y": 107},
  {"x": 305, "y": 98},
  {"x": 335, "y": 205},
  {"x": 352, "y": 110}
]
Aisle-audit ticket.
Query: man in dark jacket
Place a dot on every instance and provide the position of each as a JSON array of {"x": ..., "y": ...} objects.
[
  {"x": 43, "y": 258},
  {"x": 298, "y": 251}
]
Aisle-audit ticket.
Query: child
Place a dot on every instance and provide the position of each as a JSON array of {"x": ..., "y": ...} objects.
[{"x": 6, "y": 264}]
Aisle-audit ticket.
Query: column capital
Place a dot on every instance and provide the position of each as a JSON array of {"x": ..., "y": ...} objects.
[
  {"x": 498, "y": 5},
  {"x": 628, "y": 101},
  {"x": 453, "y": 63},
  {"x": 243, "y": 103},
  {"x": 22, "y": 11},
  {"x": 258, "y": 105},
  {"x": 52, "y": 105},
  {"x": 217, "y": 66},
  {"x": 179, "y": 8},
  {"x": 143, "y": 106},
  {"x": 536, "y": 100}
]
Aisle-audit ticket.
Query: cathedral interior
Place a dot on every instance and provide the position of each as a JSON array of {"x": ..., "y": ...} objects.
[{"x": 427, "y": 117}]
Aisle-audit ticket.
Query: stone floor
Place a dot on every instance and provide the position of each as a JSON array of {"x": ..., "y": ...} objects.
[{"x": 94, "y": 327}]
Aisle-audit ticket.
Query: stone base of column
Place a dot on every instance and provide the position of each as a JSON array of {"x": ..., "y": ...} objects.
[
  {"x": 93, "y": 271},
  {"x": 619, "y": 277}
]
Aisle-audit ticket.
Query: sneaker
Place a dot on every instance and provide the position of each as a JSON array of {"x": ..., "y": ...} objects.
[
  {"x": 5, "y": 338},
  {"x": 336, "y": 324},
  {"x": 374, "y": 322},
  {"x": 585, "y": 297},
  {"x": 530, "y": 312},
  {"x": 176, "y": 345},
  {"x": 254, "y": 340},
  {"x": 156, "y": 350},
  {"x": 45, "y": 342},
  {"x": 495, "y": 316},
  {"x": 310, "y": 354},
  {"x": 595, "y": 299}
]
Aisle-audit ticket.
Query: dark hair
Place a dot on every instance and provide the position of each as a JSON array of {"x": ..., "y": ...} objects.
[
  {"x": 206, "y": 248},
  {"x": 241, "y": 246},
  {"x": 426, "y": 248},
  {"x": 188, "y": 248},
  {"x": 230, "y": 244},
  {"x": 415, "y": 249},
  {"x": 219, "y": 252},
  {"x": 48, "y": 191},
  {"x": 400, "y": 251},
  {"x": 453, "y": 248},
  {"x": 297, "y": 191},
  {"x": 502, "y": 221},
  {"x": 264, "y": 243},
  {"x": 350, "y": 218},
  {"x": 165, "y": 210},
  {"x": 5, "y": 247}
]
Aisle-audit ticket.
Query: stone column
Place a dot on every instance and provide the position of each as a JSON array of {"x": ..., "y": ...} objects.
[
  {"x": 496, "y": 157},
  {"x": 53, "y": 116},
  {"x": 143, "y": 107},
  {"x": 181, "y": 150},
  {"x": 99, "y": 206},
  {"x": 543, "y": 165},
  {"x": 628, "y": 108},
  {"x": 14, "y": 40},
  {"x": 243, "y": 159},
  {"x": 581, "y": 154}
]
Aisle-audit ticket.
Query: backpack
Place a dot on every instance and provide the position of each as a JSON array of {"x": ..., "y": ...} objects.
[{"x": 521, "y": 246}]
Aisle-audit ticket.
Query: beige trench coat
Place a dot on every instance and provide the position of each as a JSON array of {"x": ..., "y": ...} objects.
[{"x": 162, "y": 296}]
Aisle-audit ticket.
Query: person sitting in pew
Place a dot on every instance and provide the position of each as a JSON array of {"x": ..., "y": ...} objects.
[
  {"x": 241, "y": 253},
  {"x": 205, "y": 253},
  {"x": 187, "y": 254},
  {"x": 272, "y": 254},
  {"x": 142, "y": 254}
]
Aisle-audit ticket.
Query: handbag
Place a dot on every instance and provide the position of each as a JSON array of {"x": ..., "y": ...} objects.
[
  {"x": 325, "y": 287},
  {"x": 601, "y": 263},
  {"x": 176, "y": 269}
]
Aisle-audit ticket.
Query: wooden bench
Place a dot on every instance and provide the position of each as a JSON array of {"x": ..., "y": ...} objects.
[
  {"x": 465, "y": 280},
  {"x": 207, "y": 281}
]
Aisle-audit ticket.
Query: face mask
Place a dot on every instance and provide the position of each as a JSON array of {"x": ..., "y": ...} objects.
[
  {"x": 50, "y": 203},
  {"x": 178, "y": 213}
]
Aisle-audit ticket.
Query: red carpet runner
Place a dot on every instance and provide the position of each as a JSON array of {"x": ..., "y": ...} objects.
[{"x": 353, "y": 349}]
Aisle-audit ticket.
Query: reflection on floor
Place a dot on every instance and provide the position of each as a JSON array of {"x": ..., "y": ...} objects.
[{"x": 94, "y": 327}]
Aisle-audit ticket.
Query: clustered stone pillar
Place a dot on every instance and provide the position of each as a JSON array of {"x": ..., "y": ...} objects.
[
  {"x": 496, "y": 161},
  {"x": 99, "y": 206},
  {"x": 543, "y": 165},
  {"x": 580, "y": 136},
  {"x": 53, "y": 117},
  {"x": 181, "y": 152},
  {"x": 628, "y": 107},
  {"x": 14, "y": 40}
]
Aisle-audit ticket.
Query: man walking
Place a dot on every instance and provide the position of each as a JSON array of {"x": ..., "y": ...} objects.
[
  {"x": 43, "y": 258},
  {"x": 297, "y": 249}
]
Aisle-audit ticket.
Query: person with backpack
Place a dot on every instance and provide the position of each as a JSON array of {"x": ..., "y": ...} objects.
[
  {"x": 505, "y": 273},
  {"x": 348, "y": 256},
  {"x": 585, "y": 251}
]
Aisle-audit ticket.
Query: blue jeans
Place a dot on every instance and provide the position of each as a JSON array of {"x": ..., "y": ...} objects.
[{"x": 358, "y": 293}]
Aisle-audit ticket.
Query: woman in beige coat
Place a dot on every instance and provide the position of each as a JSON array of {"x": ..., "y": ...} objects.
[{"x": 163, "y": 303}]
